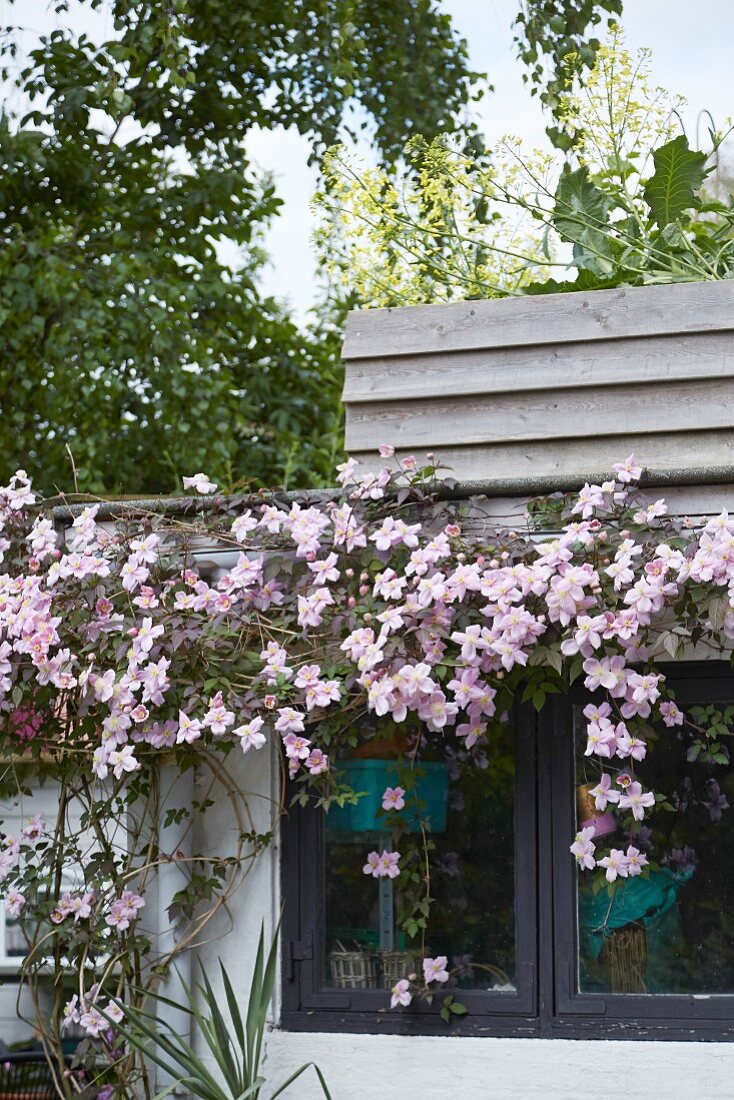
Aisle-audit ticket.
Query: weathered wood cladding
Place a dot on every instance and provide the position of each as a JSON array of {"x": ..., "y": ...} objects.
[{"x": 554, "y": 384}]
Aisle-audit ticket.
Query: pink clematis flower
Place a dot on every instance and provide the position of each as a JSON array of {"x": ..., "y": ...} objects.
[
  {"x": 189, "y": 729},
  {"x": 616, "y": 864},
  {"x": 201, "y": 483},
  {"x": 602, "y": 739},
  {"x": 389, "y": 864},
  {"x": 123, "y": 760},
  {"x": 636, "y": 860},
  {"x": 393, "y": 798},
  {"x": 400, "y": 993},
  {"x": 434, "y": 970},
  {"x": 372, "y": 866},
  {"x": 14, "y": 902},
  {"x": 633, "y": 799},
  {"x": 382, "y": 866},
  {"x": 296, "y": 747},
  {"x": 250, "y": 735},
  {"x": 628, "y": 470},
  {"x": 671, "y": 714},
  {"x": 604, "y": 793},
  {"x": 93, "y": 1022},
  {"x": 583, "y": 848},
  {"x": 628, "y": 745},
  {"x": 289, "y": 721},
  {"x": 317, "y": 762},
  {"x": 218, "y": 718}
]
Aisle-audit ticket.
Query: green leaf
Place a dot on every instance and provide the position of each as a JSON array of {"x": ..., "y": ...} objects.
[
  {"x": 297, "y": 1074},
  {"x": 581, "y": 216},
  {"x": 679, "y": 172},
  {"x": 718, "y": 608}
]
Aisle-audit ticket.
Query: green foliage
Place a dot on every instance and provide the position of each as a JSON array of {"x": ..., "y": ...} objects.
[
  {"x": 127, "y": 340},
  {"x": 451, "y": 1007},
  {"x": 553, "y": 43},
  {"x": 580, "y": 216},
  {"x": 235, "y": 1045},
  {"x": 631, "y": 202},
  {"x": 661, "y": 232},
  {"x": 679, "y": 173}
]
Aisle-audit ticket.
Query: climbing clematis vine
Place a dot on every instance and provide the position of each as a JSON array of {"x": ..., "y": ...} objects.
[{"x": 373, "y": 609}]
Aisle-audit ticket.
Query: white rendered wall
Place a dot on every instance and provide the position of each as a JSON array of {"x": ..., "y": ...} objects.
[{"x": 397, "y": 1067}]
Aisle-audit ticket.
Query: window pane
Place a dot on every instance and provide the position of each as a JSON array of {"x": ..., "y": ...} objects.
[
  {"x": 465, "y": 800},
  {"x": 669, "y": 929}
]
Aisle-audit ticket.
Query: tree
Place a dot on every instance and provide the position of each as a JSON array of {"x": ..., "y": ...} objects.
[
  {"x": 130, "y": 352},
  {"x": 125, "y": 338},
  {"x": 554, "y": 44}
]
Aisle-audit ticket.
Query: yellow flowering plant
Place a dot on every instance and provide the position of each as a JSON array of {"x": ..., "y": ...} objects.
[{"x": 627, "y": 205}]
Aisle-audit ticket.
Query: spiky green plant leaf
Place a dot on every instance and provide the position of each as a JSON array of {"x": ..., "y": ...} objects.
[
  {"x": 238, "y": 1063},
  {"x": 581, "y": 216},
  {"x": 679, "y": 172}
]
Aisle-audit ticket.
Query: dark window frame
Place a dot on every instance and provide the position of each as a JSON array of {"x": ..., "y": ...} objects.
[
  {"x": 546, "y": 1004},
  {"x": 655, "y": 1016}
]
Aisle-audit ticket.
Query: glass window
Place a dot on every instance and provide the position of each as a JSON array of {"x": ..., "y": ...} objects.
[
  {"x": 464, "y": 803},
  {"x": 537, "y": 948},
  {"x": 667, "y": 930}
]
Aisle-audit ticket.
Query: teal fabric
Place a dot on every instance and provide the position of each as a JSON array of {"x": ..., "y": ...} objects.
[
  {"x": 370, "y": 778},
  {"x": 651, "y": 899}
]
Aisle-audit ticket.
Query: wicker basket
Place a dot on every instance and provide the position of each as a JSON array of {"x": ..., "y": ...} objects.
[
  {"x": 353, "y": 969},
  {"x": 625, "y": 955},
  {"x": 396, "y": 965}
]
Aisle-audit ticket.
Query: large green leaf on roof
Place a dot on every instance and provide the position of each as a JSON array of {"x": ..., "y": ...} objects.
[{"x": 679, "y": 172}]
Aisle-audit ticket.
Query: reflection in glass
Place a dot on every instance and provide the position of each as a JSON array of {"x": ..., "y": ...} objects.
[
  {"x": 668, "y": 930},
  {"x": 465, "y": 801}
]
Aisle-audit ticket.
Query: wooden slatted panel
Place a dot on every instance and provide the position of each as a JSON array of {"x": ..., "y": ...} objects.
[
  {"x": 541, "y": 319},
  {"x": 540, "y": 367},
  {"x": 548, "y": 385},
  {"x": 571, "y": 457},
  {"x": 540, "y": 415}
]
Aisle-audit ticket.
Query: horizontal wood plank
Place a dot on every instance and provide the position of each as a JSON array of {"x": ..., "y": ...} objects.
[
  {"x": 697, "y": 502},
  {"x": 541, "y": 319},
  {"x": 544, "y": 367},
  {"x": 573, "y": 458},
  {"x": 544, "y": 416}
]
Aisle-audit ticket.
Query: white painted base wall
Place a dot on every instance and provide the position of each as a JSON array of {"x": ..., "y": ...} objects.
[{"x": 396, "y": 1067}]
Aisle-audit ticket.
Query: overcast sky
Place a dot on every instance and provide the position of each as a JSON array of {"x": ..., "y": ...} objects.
[{"x": 695, "y": 63}]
